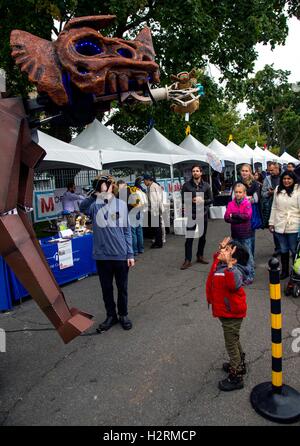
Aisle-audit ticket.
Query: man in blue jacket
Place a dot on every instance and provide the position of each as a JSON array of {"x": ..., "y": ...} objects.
[{"x": 112, "y": 249}]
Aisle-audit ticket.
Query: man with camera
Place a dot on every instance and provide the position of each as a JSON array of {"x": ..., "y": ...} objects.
[{"x": 112, "y": 249}]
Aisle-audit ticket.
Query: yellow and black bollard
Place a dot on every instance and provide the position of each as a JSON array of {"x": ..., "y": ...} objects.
[{"x": 275, "y": 400}]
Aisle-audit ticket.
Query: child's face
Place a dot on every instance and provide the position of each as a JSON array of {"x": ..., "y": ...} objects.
[{"x": 239, "y": 193}]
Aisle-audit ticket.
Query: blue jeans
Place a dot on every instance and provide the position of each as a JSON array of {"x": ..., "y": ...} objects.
[
  {"x": 288, "y": 242},
  {"x": 138, "y": 236},
  {"x": 247, "y": 242}
]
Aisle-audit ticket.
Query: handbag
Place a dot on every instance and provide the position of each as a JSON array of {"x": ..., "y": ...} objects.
[{"x": 256, "y": 220}]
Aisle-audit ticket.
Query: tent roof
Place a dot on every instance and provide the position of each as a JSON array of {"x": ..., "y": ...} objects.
[
  {"x": 192, "y": 144},
  {"x": 154, "y": 141},
  {"x": 97, "y": 136},
  {"x": 243, "y": 154},
  {"x": 265, "y": 155},
  {"x": 224, "y": 153},
  {"x": 63, "y": 155},
  {"x": 248, "y": 150},
  {"x": 287, "y": 158}
]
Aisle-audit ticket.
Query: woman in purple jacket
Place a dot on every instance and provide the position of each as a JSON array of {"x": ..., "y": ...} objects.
[{"x": 238, "y": 214}]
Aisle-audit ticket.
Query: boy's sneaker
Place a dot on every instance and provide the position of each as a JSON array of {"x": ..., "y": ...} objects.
[
  {"x": 241, "y": 368},
  {"x": 234, "y": 381}
]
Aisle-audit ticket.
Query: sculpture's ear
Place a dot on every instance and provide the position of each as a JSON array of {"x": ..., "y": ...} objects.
[
  {"x": 144, "y": 37},
  {"x": 92, "y": 21},
  {"x": 38, "y": 59}
]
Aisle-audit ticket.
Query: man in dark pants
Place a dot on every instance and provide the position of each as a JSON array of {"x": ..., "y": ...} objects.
[
  {"x": 112, "y": 250},
  {"x": 267, "y": 194},
  {"x": 195, "y": 185}
]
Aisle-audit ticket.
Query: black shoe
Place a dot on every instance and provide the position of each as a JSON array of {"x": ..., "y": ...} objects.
[
  {"x": 125, "y": 322},
  {"x": 107, "y": 324},
  {"x": 153, "y": 246},
  {"x": 234, "y": 381},
  {"x": 241, "y": 368}
]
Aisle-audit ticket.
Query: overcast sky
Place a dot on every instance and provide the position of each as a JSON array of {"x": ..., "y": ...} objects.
[{"x": 285, "y": 57}]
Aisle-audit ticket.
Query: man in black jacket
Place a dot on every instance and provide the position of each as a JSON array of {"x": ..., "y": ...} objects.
[{"x": 194, "y": 186}]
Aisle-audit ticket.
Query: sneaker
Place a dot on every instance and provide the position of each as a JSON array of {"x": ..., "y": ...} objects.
[
  {"x": 234, "y": 381},
  {"x": 125, "y": 322},
  {"x": 107, "y": 324}
]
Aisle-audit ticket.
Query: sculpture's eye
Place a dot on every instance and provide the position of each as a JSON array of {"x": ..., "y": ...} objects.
[
  {"x": 124, "y": 52},
  {"x": 88, "y": 47}
]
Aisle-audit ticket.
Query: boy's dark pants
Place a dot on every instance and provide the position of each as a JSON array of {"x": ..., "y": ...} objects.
[
  {"x": 231, "y": 329},
  {"x": 107, "y": 271}
]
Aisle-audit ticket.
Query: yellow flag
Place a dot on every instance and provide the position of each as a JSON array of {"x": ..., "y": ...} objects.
[
  {"x": 187, "y": 130},
  {"x": 230, "y": 138}
]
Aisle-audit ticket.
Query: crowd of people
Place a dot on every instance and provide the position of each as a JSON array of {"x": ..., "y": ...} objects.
[{"x": 259, "y": 200}]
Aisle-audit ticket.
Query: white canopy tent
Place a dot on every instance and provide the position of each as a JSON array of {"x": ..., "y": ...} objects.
[
  {"x": 243, "y": 154},
  {"x": 249, "y": 151},
  {"x": 63, "y": 155},
  {"x": 263, "y": 156},
  {"x": 287, "y": 158},
  {"x": 191, "y": 144},
  {"x": 155, "y": 142},
  {"x": 97, "y": 136},
  {"x": 224, "y": 153},
  {"x": 113, "y": 149}
]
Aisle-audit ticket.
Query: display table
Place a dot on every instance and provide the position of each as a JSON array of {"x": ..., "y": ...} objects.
[{"x": 84, "y": 265}]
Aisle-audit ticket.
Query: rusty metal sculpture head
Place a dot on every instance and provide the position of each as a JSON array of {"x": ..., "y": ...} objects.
[{"x": 82, "y": 57}]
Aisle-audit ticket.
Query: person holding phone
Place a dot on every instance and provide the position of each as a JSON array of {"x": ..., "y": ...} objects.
[{"x": 112, "y": 249}]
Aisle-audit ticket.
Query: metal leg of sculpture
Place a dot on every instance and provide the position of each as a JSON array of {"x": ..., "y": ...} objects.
[{"x": 18, "y": 244}]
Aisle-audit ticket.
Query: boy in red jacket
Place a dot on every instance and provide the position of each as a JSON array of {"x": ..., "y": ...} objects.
[{"x": 225, "y": 293}]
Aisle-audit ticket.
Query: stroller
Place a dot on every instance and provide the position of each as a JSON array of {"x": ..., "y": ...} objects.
[{"x": 292, "y": 288}]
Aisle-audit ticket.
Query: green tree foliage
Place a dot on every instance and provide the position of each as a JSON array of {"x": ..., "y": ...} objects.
[
  {"x": 276, "y": 106},
  {"x": 186, "y": 34}
]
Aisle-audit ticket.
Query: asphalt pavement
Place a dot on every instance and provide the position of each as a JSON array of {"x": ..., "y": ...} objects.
[{"x": 163, "y": 372}]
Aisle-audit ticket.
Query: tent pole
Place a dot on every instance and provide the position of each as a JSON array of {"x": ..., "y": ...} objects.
[{"x": 209, "y": 175}]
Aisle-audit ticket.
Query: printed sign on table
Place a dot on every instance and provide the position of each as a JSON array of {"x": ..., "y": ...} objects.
[{"x": 65, "y": 254}]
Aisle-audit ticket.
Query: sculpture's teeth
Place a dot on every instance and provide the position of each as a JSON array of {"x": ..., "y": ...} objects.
[
  {"x": 123, "y": 82},
  {"x": 140, "y": 80},
  {"x": 112, "y": 82},
  {"x": 155, "y": 77}
]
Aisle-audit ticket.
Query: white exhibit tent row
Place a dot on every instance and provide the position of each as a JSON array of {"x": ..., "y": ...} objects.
[
  {"x": 263, "y": 156},
  {"x": 96, "y": 136},
  {"x": 223, "y": 153},
  {"x": 61, "y": 155},
  {"x": 155, "y": 142},
  {"x": 191, "y": 144},
  {"x": 243, "y": 154},
  {"x": 286, "y": 158},
  {"x": 113, "y": 149}
]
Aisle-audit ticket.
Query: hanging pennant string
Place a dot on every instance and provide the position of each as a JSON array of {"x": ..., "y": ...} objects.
[
  {"x": 230, "y": 138},
  {"x": 187, "y": 130}
]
